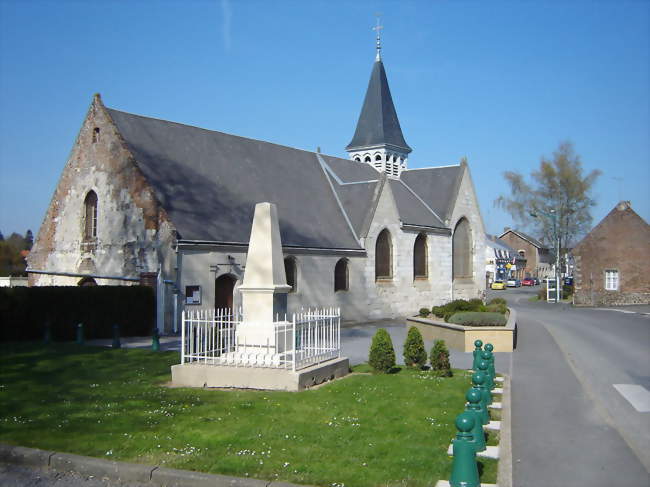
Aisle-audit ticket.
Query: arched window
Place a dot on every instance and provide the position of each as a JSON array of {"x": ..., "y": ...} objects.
[
  {"x": 358, "y": 159},
  {"x": 420, "y": 256},
  {"x": 383, "y": 256},
  {"x": 341, "y": 275},
  {"x": 95, "y": 134},
  {"x": 378, "y": 157},
  {"x": 86, "y": 282},
  {"x": 90, "y": 216},
  {"x": 291, "y": 271},
  {"x": 462, "y": 250},
  {"x": 367, "y": 159}
]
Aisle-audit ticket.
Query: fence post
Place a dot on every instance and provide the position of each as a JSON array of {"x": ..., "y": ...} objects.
[
  {"x": 155, "y": 340},
  {"x": 183, "y": 337},
  {"x": 295, "y": 345}
]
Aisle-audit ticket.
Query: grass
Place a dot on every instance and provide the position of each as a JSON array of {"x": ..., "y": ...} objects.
[{"x": 365, "y": 430}]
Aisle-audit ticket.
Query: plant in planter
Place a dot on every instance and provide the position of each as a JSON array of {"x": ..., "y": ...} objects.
[
  {"x": 424, "y": 312},
  {"x": 472, "y": 318},
  {"x": 414, "y": 352}
]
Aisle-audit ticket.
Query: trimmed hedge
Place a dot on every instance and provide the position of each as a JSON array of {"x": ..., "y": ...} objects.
[
  {"x": 448, "y": 310},
  {"x": 471, "y": 318},
  {"x": 24, "y": 311}
]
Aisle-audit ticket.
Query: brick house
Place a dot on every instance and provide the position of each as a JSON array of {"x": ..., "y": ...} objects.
[
  {"x": 612, "y": 263},
  {"x": 539, "y": 260}
]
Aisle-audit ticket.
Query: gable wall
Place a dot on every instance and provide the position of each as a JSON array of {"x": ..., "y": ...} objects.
[
  {"x": 467, "y": 206},
  {"x": 531, "y": 255},
  {"x": 133, "y": 235},
  {"x": 621, "y": 242}
]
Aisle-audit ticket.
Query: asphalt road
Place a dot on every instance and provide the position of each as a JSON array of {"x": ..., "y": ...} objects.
[{"x": 570, "y": 425}]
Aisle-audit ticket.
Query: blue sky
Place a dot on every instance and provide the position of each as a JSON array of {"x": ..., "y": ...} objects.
[{"x": 499, "y": 82}]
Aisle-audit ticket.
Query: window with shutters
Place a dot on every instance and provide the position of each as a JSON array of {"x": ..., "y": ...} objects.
[
  {"x": 420, "y": 257},
  {"x": 462, "y": 250},
  {"x": 341, "y": 275},
  {"x": 291, "y": 270},
  {"x": 90, "y": 216},
  {"x": 383, "y": 256}
]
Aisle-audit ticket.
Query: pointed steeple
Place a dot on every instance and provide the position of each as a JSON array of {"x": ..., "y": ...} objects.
[{"x": 378, "y": 124}]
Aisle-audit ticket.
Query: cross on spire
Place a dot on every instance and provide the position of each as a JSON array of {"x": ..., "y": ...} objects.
[{"x": 377, "y": 29}]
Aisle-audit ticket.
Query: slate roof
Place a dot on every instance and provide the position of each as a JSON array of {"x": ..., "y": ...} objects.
[
  {"x": 437, "y": 186},
  {"x": 208, "y": 182},
  {"x": 378, "y": 123},
  {"x": 527, "y": 237}
]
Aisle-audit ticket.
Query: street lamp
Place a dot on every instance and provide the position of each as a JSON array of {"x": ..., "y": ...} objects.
[{"x": 556, "y": 234}]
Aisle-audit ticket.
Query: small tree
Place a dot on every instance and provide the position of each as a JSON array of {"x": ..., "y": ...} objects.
[
  {"x": 440, "y": 358},
  {"x": 382, "y": 353},
  {"x": 414, "y": 352}
]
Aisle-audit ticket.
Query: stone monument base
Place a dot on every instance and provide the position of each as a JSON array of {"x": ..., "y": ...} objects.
[{"x": 206, "y": 375}]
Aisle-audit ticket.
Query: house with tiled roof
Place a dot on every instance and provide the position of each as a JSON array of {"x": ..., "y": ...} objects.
[
  {"x": 539, "y": 259},
  {"x": 140, "y": 195}
]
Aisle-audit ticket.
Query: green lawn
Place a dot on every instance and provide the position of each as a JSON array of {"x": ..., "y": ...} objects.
[{"x": 365, "y": 430}]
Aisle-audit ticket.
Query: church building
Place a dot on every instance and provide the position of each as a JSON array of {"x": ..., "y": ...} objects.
[{"x": 366, "y": 234}]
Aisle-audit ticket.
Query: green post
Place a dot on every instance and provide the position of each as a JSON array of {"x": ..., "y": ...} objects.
[
  {"x": 464, "y": 470},
  {"x": 478, "y": 344},
  {"x": 489, "y": 358},
  {"x": 155, "y": 340},
  {"x": 483, "y": 366},
  {"x": 116, "y": 336},
  {"x": 478, "y": 382},
  {"x": 80, "y": 334},
  {"x": 473, "y": 406},
  {"x": 47, "y": 336}
]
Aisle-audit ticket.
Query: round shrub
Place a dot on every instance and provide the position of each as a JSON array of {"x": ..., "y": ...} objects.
[
  {"x": 438, "y": 311},
  {"x": 476, "y": 305},
  {"x": 414, "y": 352},
  {"x": 424, "y": 312},
  {"x": 439, "y": 358},
  {"x": 382, "y": 353},
  {"x": 496, "y": 308},
  {"x": 498, "y": 301}
]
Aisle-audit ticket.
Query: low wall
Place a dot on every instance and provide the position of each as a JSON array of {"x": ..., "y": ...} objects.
[{"x": 462, "y": 338}]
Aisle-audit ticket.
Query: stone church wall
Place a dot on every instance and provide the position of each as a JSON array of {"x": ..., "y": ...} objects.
[{"x": 467, "y": 206}]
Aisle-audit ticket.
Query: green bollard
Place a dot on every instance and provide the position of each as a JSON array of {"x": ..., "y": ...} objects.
[
  {"x": 478, "y": 344},
  {"x": 116, "y": 336},
  {"x": 473, "y": 406},
  {"x": 484, "y": 366},
  {"x": 80, "y": 334},
  {"x": 478, "y": 380},
  {"x": 490, "y": 348},
  {"x": 489, "y": 358},
  {"x": 464, "y": 470},
  {"x": 47, "y": 335},
  {"x": 155, "y": 340}
]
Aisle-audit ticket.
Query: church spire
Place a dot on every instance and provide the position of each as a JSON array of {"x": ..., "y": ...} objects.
[{"x": 378, "y": 138}]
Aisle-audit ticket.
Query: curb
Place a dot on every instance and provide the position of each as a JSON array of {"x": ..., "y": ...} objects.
[
  {"x": 123, "y": 471},
  {"x": 504, "y": 472}
]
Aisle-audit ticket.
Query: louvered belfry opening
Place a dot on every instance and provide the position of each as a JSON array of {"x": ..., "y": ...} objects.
[
  {"x": 383, "y": 256},
  {"x": 420, "y": 256},
  {"x": 341, "y": 275},
  {"x": 90, "y": 217},
  {"x": 462, "y": 250}
]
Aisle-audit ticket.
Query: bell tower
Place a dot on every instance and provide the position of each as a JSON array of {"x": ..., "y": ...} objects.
[{"x": 378, "y": 139}]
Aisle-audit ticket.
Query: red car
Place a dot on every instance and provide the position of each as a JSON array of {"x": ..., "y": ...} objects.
[{"x": 528, "y": 281}]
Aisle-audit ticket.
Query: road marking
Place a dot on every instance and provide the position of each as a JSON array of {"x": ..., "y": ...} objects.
[{"x": 637, "y": 396}]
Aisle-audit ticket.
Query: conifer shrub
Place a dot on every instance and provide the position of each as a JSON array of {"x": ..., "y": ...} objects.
[
  {"x": 424, "y": 312},
  {"x": 414, "y": 352},
  {"x": 382, "y": 353},
  {"x": 439, "y": 358}
]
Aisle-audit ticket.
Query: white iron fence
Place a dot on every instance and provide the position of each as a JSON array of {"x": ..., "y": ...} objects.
[{"x": 308, "y": 338}]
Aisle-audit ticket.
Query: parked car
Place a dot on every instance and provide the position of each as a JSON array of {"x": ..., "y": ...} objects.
[
  {"x": 536, "y": 280},
  {"x": 498, "y": 285},
  {"x": 514, "y": 283},
  {"x": 528, "y": 281}
]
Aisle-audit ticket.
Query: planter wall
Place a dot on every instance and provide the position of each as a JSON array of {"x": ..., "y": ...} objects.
[{"x": 462, "y": 338}]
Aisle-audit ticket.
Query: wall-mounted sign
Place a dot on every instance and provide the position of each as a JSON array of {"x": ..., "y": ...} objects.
[{"x": 192, "y": 294}]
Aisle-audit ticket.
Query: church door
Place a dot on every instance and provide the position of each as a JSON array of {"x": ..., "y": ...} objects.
[{"x": 223, "y": 289}]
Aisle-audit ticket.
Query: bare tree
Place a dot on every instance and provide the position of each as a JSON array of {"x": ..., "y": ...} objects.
[{"x": 559, "y": 195}]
